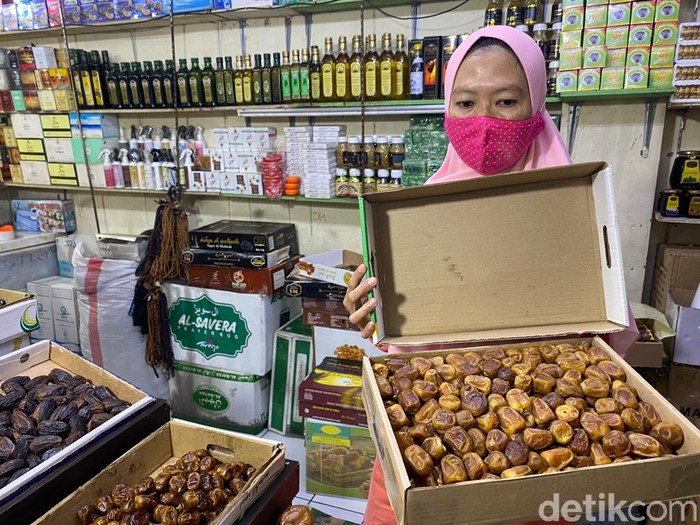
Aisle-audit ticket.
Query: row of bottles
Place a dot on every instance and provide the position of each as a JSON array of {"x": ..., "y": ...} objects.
[{"x": 520, "y": 12}]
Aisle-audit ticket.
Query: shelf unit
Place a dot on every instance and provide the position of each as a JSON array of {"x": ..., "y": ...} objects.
[{"x": 675, "y": 220}]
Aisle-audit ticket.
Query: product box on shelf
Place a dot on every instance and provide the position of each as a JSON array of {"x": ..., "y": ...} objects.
[
  {"x": 93, "y": 146},
  {"x": 685, "y": 320},
  {"x": 593, "y": 37},
  {"x": 432, "y": 67},
  {"x": 573, "y": 19},
  {"x": 106, "y": 11},
  {"x": 95, "y": 125},
  {"x": 342, "y": 344},
  {"x": 53, "y": 8},
  {"x": 31, "y": 149},
  {"x": 64, "y": 306},
  {"x": 665, "y": 34},
  {"x": 188, "y": 6},
  {"x": 63, "y": 174},
  {"x": 18, "y": 317},
  {"x": 595, "y": 57},
  {"x": 9, "y": 17},
  {"x": 229, "y": 259},
  {"x": 44, "y": 215},
  {"x": 637, "y": 77},
  {"x": 298, "y": 286},
  {"x": 226, "y": 330},
  {"x": 667, "y": 11},
  {"x": 173, "y": 440},
  {"x": 291, "y": 363},
  {"x": 616, "y": 58},
  {"x": 661, "y": 78},
  {"x": 596, "y": 16},
  {"x": 638, "y": 56},
  {"x": 567, "y": 81},
  {"x": 72, "y": 12},
  {"x": 47, "y": 101},
  {"x": 571, "y": 59},
  {"x": 59, "y": 150},
  {"x": 27, "y": 126},
  {"x": 684, "y": 391},
  {"x": 643, "y": 12},
  {"x": 676, "y": 267},
  {"x": 41, "y": 289},
  {"x": 612, "y": 78},
  {"x": 25, "y": 20},
  {"x": 571, "y": 39},
  {"x": 619, "y": 14},
  {"x": 44, "y": 57},
  {"x": 640, "y": 35},
  {"x": 335, "y": 267},
  {"x": 88, "y": 9},
  {"x": 244, "y": 236},
  {"x": 661, "y": 57},
  {"x": 97, "y": 175}
]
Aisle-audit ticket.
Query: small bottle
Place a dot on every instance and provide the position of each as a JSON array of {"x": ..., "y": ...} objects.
[
  {"x": 396, "y": 176},
  {"x": 539, "y": 35},
  {"x": 113, "y": 87},
  {"x": 276, "y": 79},
  {"x": 514, "y": 13},
  {"x": 208, "y": 77},
  {"x": 352, "y": 153},
  {"x": 106, "y": 155},
  {"x": 327, "y": 68},
  {"x": 381, "y": 153},
  {"x": 286, "y": 78},
  {"x": 368, "y": 153},
  {"x": 523, "y": 28},
  {"x": 354, "y": 182},
  {"x": 532, "y": 13},
  {"x": 98, "y": 73},
  {"x": 295, "y": 76},
  {"x": 257, "y": 81},
  {"x": 554, "y": 41},
  {"x": 228, "y": 82},
  {"x": 552, "y": 72},
  {"x": 124, "y": 91},
  {"x": 267, "y": 79},
  {"x": 557, "y": 12},
  {"x": 342, "y": 179},
  {"x": 219, "y": 75},
  {"x": 369, "y": 181},
  {"x": 387, "y": 69},
  {"x": 416, "y": 55},
  {"x": 117, "y": 171},
  {"x": 494, "y": 13},
  {"x": 383, "y": 180},
  {"x": 315, "y": 75},
  {"x": 305, "y": 86},
  {"x": 397, "y": 153},
  {"x": 340, "y": 152}
]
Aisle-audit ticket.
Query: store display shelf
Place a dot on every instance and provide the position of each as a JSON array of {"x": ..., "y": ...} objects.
[
  {"x": 675, "y": 220},
  {"x": 680, "y": 106},
  {"x": 617, "y": 94}
]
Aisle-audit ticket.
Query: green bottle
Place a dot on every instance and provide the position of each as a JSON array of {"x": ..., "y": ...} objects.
[
  {"x": 135, "y": 86},
  {"x": 276, "y": 79},
  {"x": 183, "y": 90},
  {"x": 147, "y": 85},
  {"x": 286, "y": 76},
  {"x": 97, "y": 72},
  {"x": 304, "y": 76},
  {"x": 124, "y": 91},
  {"x": 86, "y": 79},
  {"x": 228, "y": 82},
  {"x": 194, "y": 79},
  {"x": 257, "y": 81},
  {"x": 169, "y": 85},
  {"x": 220, "y": 82},
  {"x": 157, "y": 84},
  {"x": 267, "y": 79},
  {"x": 208, "y": 84},
  {"x": 295, "y": 73},
  {"x": 238, "y": 81},
  {"x": 112, "y": 82}
]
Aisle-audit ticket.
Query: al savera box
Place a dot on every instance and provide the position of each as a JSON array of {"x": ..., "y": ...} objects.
[{"x": 18, "y": 315}]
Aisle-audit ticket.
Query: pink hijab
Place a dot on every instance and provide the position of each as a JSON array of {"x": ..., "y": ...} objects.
[{"x": 548, "y": 148}]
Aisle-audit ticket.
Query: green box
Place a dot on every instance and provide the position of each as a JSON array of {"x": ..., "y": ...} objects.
[
  {"x": 638, "y": 56},
  {"x": 643, "y": 12},
  {"x": 640, "y": 35},
  {"x": 567, "y": 81},
  {"x": 616, "y": 58},
  {"x": 573, "y": 19},
  {"x": 665, "y": 34},
  {"x": 612, "y": 78},
  {"x": 596, "y": 16},
  {"x": 595, "y": 57},
  {"x": 328, "y": 473},
  {"x": 291, "y": 363},
  {"x": 636, "y": 77},
  {"x": 661, "y": 78},
  {"x": 589, "y": 80},
  {"x": 662, "y": 56},
  {"x": 667, "y": 11},
  {"x": 18, "y": 100},
  {"x": 594, "y": 37},
  {"x": 596, "y": 2},
  {"x": 571, "y": 59},
  {"x": 573, "y": 3},
  {"x": 619, "y": 14},
  {"x": 570, "y": 39},
  {"x": 617, "y": 37},
  {"x": 93, "y": 147}
]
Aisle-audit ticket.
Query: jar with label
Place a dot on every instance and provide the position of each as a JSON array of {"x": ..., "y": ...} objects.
[
  {"x": 395, "y": 182},
  {"x": 690, "y": 204},
  {"x": 552, "y": 78},
  {"x": 539, "y": 35},
  {"x": 368, "y": 156},
  {"x": 354, "y": 182},
  {"x": 340, "y": 151},
  {"x": 341, "y": 182},
  {"x": 685, "y": 173},
  {"x": 670, "y": 203},
  {"x": 381, "y": 153},
  {"x": 397, "y": 153},
  {"x": 369, "y": 182},
  {"x": 352, "y": 153},
  {"x": 383, "y": 180},
  {"x": 554, "y": 41}
]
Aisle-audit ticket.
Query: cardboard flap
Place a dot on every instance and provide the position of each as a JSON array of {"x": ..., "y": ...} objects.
[{"x": 528, "y": 254}]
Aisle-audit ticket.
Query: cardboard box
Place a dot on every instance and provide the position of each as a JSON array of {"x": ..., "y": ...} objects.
[
  {"x": 589, "y": 80},
  {"x": 291, "y": 363},
  {"x": 328, "y": 320},
  {"x": 59, "y": 150},
  {"x": 640, "y": 35},
  {"x": 335, "y": 267},
  {"x": 665, "y": 34},
  {"x": 684, "y": 391},
  {"x": 171, "y": 441},
  {"x": 41, "y": 358},
  {"x": 636, "y": 77},
  {"x": 66, "y": 319},
  {"x": 571, "y": 59},
  {"x": 595, "y": 57},
  {"x": 418, "y": 505},
  {"x": 571, "y": 39},
  {"x": 312, "y": 289},
  {"x": 44, "y": 57},
  {"x": 47, "y": 102},
  {"x": 229, "y": 259},
  {"x": 619, "y": 14},
  {"x": 573, "y": 19},
  {"x": 333, "y": 392},
  {"x": 638, "y": 56},
  {"x": 93, "y": 146},
  {"x": 686, "y": 322},
  {"x": 226, "y": 330},
  {"x": 593, "y": 37},
  {"x": 661, "y": 78},
  {"x": 51, "y": 123},
  {"x": 27, "y": 126},
  {"x": 324, "y": 475},
  {"x": 242, "y": 280},
  {"x": 667, "y": 11},
  {"x": 596, "y": 16},
  {"x": 432, "y": 68},
  {"x": 567, "y": 81},
  {"x": 646, "y": 354},
  {"x": 31, "y": 146},
  {"x": 324, "y": 305},
  {"x": 643, "y": 12},
  {"x": 18, "y": 317},
  {"x": 43, "y": 215},
  {"x": 676, "y": 267},
  {"x": 95, "y": 125},
  {"x": 14, "y": 345},
  {"x": 244, "y": 236},
  {"x": 342, "y": 344},
  {"x": 661, "y": 57},
  {"x": 220, "y": 398},
  {"x": 41, "y": 289},
  {"x": 616, "y": 58}
]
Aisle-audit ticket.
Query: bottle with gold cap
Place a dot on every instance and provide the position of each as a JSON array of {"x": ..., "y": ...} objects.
[
  {"x": 532, "y": 14},
  {"x": 371, "y": 65},
  {"x": 286, "y": 76},
  {"x": 342, "y": 72},
  {"x": 295, "y": 76},
  {"x": 515, "y": 13},
  {"x": 327, "y": 70},
  {"x": 238, "y": 81},
  {"x": 315, "y": 75},
  {"x": 304, "y": 76},
  {"x": 494, "y": 13},
  {"x": 356, "y": 64},
  {"x": 403, "y": 66},
  {"x": 257, "y": 80},
  {"x": 387, "y": 69},
  {"x": 248, "y": 81}
]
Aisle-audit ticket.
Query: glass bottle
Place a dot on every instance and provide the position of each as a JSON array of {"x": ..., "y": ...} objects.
[
  {"x": 371, "y": 64},
  {"x": 539, "y": 35},
  {"x": 267, "y": 79},
  {"x": 257, "y": 80},
  {"x": 208, "y": 83},
  {"x": 286, "y": 78},
  {"x": 157, "y": 85},
  {"x": 401, "y": 82},
  {"x": 494, "y": 13},
  {"x": 514, "y": 14},
  {"x": 295, "y": 76},
  {"x": 183, "y": 90},
  {"x": 304, "y": 76},
  {"x": 554, "y": 41},
  {"x": 387, "y": 69},
  {"x": 315, "y": 74},
  {"x": 356, "y": 63},
  {"x": 169, "y": 87},
  {"x": 532, "y": 14},
  {"x": 135, "y": 86},
  {"x": 77, "y": 81},
  {"x": 552, "y": 72},
  {"x": 147, "y": 85},
  {"x": 86, "y": 80},
  {"x": 416, "y": 89},
  {"x": 341, "y": 72},
  {"x": 276, "y": 79},
  {"x": 113, "y": 87},
  {"x": 238, "y": 81},
  {"x": 124, "y": 91},
  {"x": 248, "y": 81},
  {"x": 327, "y": 68},
  {"x": 229, "y": 92},
  {"x": 220, "y": 82},
  {"x": 98, "y": 80},
  {"x": 557, "y": 12},
  {"x": 194, "y": 80}
]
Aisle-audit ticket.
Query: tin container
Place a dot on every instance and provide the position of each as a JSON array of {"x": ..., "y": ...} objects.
[
  {"x": 690, "y": 204},
  {"x": 685, "y": 173},
  {"x": 670, "y": 203}
]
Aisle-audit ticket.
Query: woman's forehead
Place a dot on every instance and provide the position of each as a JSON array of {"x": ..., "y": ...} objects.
[{"x": 492, "y": 65}]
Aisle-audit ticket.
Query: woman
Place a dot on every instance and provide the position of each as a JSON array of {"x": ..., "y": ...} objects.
[{"x": 496, "y": 121}]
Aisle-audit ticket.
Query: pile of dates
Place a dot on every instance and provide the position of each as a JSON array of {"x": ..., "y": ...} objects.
[
  {"x": 517, "y": 412},
  {"x": 192, "y": 491},
  {"x": 41, "y": 416}
]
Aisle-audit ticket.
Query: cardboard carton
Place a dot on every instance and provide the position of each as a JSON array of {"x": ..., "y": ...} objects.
[
  {"x": 335, "y": 267},
  {"x": 684, "y": 391},
  {"x": 297, "y": 286},
  {"x": 342, "y": 344},
  {"x": 244, "y": 236},
  {"x": 18, "y": 315},
  {"x": 41, "y": 289},
  {"x": 43, "y": 215},
  {"x": 676, "y": 266},
  {"x": 686, "y": 322}
]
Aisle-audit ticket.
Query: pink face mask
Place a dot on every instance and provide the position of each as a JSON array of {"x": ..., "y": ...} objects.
[{"x": 490, "y": 145}]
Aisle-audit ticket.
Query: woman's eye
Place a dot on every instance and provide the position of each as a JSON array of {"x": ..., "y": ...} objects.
[
  {"x": 507, "y": 102},
  {"x": 465, "y": 104}
]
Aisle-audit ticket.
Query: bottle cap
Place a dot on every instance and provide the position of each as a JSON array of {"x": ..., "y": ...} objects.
[
  {"x": 383, "y": 174},
  {"x": 383, "y": 140},
  {"x": 369, "y": 173},
  {"x": 397, "y": 140},
  {"x": 556, "y": 26},
  {"x": 540, "y": 27},
  {"x": 554, "y": 64},
  {"x": 396, "y": 174},
  {"x": 523, "y": 28},
  {"x": 354, "y": 140}
]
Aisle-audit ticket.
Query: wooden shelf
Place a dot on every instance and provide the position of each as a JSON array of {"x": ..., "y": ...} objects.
[
  {"x": 675, "y": 220},
  {"x": 617, "y": 94}
]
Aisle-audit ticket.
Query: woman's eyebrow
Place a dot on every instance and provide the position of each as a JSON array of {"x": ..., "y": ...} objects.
[{"x": 467, "y": 91}]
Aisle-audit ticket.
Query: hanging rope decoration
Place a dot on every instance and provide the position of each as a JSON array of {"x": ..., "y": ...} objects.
[{"x": 170, "y": 237}]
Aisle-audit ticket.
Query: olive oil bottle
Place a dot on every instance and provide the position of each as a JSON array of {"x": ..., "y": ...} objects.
[
  {"x": 124, "y": 92},
  {"x": 371, "y": 65},
  {"x": 183, "y": 90},
  {"x": 315, "y": 74},
  {"x": 515, "y": 13},
  {"x": 304, "y": 76},
  {"x": 99, "y": 85},
  {"x": 494, "y": 13},
  {"x": 257, "y": 80},
  {"x": 387, "y": 69},
  {"x": 286, "y": 78},
  {"x": 276, "y": 79},
  {"x": 248, "y": 81},
  {"x": 194, "y": 79},
  {"x": 327, "y": 68},
  {"x": 228, "y": 82},
  {"x": 401, "y": 78},
  {"x": 532, "y": 13},
  {"x": 295, "y": 76},
  {"x": 86, "y": 80},
  {"x": 238, "y": 81},
  {"x": 135, "y": 86},
  {"x": 342, "y": 71},
  {"x": 77, "y": 81},
  {"x": 208, "y": 84},
  {"x": 158, "y": 84},
  {"x": 147, "y": 85},
  {"x": 113, "y": 86},
  {"x": 220, "y": 83},
  {"x": 356, "y": 64},
  {"x": 267, "y": 79}
]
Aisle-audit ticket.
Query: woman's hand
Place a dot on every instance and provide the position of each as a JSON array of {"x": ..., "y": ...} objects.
[{"x": 356, "y": 302}]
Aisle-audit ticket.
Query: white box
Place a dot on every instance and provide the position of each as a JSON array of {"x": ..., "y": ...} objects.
[
  {"x": 64, "y": 303},
  {"x": 59, "y": 150},
  {"x": 331, "y": 342},
  {"x": 213, "y": 181},
  {"x": 98, "y": 175},
  {"x": 12, "y": 345},
  {"x": 686, "y": 322},
  {"x": 18, "y": 317},
  {"x": 327, "y": 266},
  {"x": 41, "y": 289},
  {"x": 44, "y": 57},
  {"x": 34, "y": 172},
  {"x": 198, "y": 181},
  {"x": 226, "y": 330},
  {"x": 221, "y": 137},
  {"x": 27, "y": 126},
  {"x": 255, "y": 184}
]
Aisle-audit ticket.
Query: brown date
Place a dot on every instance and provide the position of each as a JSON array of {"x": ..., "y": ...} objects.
[
  {"x": 614, "y": 421},
  {"x": 558, "y": 458},
  {"x": 516, "y": 472},
  {"x": 536, "y": 462},
  {"x": 450, "y": 402},
  {"x": 479, "y": 383},
  {"x": 650, "y": 413},
  {"x": 580, "y": 444},
  {"x": 537, "y": 439},
  {"x": 595, "y": 372},
  {"x": 615, "y": 444},
  {"x": 458, "y": 441},
  {"x": 478, "y": 439},
  {"x": 443, "y": 420},
  {"x": 561, "y": 432},
  {"x": 474, "y": 465},
  {"x": 465, "y": 420},
  {"x": 598, "y": 455},
  {"x": 500, "y": 386},
  {"x": 487, "y": 422},
  {"x": 476, "y": 403},
  {"x": 518, "y": 400},
  {"x": 496, "y": 440},
  {"x": 453, "y": 470},
  {"x": 397, "y": 417},
  {"x": 434, "y": 447},
  {"x": 511, "y": 421},
  {"x": 421, "y": 431},
  {"x": 432, "y": 376},
  {"x": 453, "y": 388},
  {"x": 574, "y": 376},
  {"x": 425, "y": 390},
  {"x": 418, "y": 460},
  {"x": 567, "y": 388},
  {"x": 541, "y": 412},
  {"x": 568, "y": 414},
  {"x": 380, "y": 370},
  {"x": 581, "y": 462},
  {"x": 497, "y": 462},
  {"x": 634, "y": 421},
  {"x": 421, "y": 364},
  {"x": 517, "y": 453},
  {"x": 594, "y": 387},
  {"x": 594, "y": 426},
  {"x": 496, "y": 401},
  {"x": 597, "y": 355},
  {"x": 608, "y": 405},
  {"x": 553, "y": 400},
  {"x": 505, "y": 373},
  {"x": 426, "y": 412},
  {"x": 490, "y": 368},
  {"x": 543, "y": 383},
  {"x": 385, "y": 388},
  {"x": 668, "y": 434},
  {"x": 409, "y": 401},
  {"x": 612, "y": 369}
]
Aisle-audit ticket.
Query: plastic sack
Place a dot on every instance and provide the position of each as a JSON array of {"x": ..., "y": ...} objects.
[{"x": 108, "y": 338}]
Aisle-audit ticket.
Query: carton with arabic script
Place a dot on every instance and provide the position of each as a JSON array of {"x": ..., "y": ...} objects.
[{"x": 244, "y": 236}]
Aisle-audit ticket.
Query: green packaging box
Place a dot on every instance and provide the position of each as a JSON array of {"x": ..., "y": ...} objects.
[
  {"x": 589, "y": 80},
  {"x": 662, "y": 56},
  {"x": 661, "y": 78},
  {"x": 667, "y": 11},
  {"x": 93, "y": 147},
  {"x": 617, "y": 37},
  {"x": 571, "y": 39},
  {"x": 638, "y": 56},
  {"x": 665, "y": 34},
  {"x": 640, "y": 35},
  {"x": 643, "y": 12},
  {"x": 619, "y": 14},
  {"x": 571, "y": 59},
  {"x": 594, "y": 37},
  {"x": 616, "y": 58},
  {"x": 573, "y": 3},
  {"x": 573, "y": 18},
  {"x": 595, "y": 57},
  {"x": 636, "y": 77},
  {"x": 18, "y": 100},
  {"x": 567, "y": 81},
  {"x": 596, "y": 16},
  {"x": 612, "y": 78}
]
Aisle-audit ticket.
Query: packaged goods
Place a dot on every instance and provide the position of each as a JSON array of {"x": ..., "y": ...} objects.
[
  {"x": 44, "y": 215},
  {"x": 589, "y": 80},
  {"x": 612, "y": 78},
  {"x": 244, "y": 236}
]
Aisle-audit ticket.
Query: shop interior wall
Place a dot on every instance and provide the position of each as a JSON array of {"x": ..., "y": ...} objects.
[{"x": 611, "y": 132}]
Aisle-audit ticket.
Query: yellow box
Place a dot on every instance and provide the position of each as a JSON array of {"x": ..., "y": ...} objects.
[
  {"x": 596, "y": 16},
  {"x": 662, "y": 56},
  {"x": 594, "y": 37},
  {"x": 567, "y": 81},
  {"x": 573, "y": 19},
  {"x": 667, "y": 11},
  {"x": 64, "y": 182},
  {"x": 619, "y": 14},
  {"x": 616, "y": 58},
  {"x": 64, "y": 100},
  {"x": 617, "y": 37},
  {"x": 62, "y": 171},
  {"x": 47, "y": 100},
  {"x": 570, "y": 39},
  {"x": 643, "y": 12},
  {"x": 665, "y": 34},
  {"x": 571, "y": 59},
  {"x": 661, "y": 78},
  {"x": 589, "y": 80},
  {"x": 16, "y": 174},
  {"x": 638, "y": 56},
  {"x": 636, "y": 77},
  {"x": 30, "y": 145},
  {"x": 595, "y": 57},
  {"x": 10, "y": 139},
  {"x": 54, "y": 122}
]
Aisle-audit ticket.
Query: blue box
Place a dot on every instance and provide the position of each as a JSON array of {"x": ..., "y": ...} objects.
[
  {"x": 95, "y": 125},
  {"x": 141, "y": 10},
  {"x": 9, "y": 17},
  {"x": 72, "y": 12},
  {"x": 40, "y": 14},
  {"x": 88, "y": 10},
  {"x": 160, "y": 8},
  {"x": 223, "y": 4},
  {"x": 25, "y": 20},
  {"x": 124, "y": 9},
  {"x": 106, "y": 11},
  {"x": 187, "y": 6},
  {"x": 44, "y": 215}
]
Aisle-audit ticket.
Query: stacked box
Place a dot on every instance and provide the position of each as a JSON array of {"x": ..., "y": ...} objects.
[{"x": 686, "y": 78}]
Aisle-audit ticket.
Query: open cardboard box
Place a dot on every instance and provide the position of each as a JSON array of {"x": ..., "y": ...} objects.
[
  {"x": 18, "y": 316},
  {"x": 41, "y": 358},
  {"x": 164, "y": 447},
  {"x": 512, "y": 500},
  {"x": 334, "y": 267}
]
